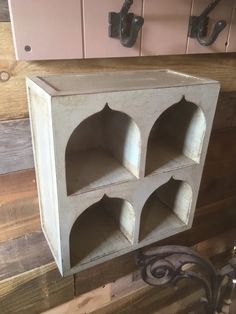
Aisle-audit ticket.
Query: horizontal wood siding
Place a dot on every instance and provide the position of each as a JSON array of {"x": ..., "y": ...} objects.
[
  {"x": 15, "y": 146},
  {"x": 19, "y": 208},
  {"x": 4, "y": 11},
  {"x": 35, "y": 291}
]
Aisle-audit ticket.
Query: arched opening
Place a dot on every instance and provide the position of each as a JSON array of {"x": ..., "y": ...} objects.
[
  {"x": 104, "y": 228},
  {"x": 104, "y": 149},
  {"x": 166, "y": 209},
  {"x": 176, "y": 138}
]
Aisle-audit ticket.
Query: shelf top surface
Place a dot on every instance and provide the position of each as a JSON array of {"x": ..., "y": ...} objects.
[{"x": 100, "y": 82}]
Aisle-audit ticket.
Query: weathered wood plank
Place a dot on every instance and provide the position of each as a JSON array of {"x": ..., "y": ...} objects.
[
  {"x": 35, "y": 291},
  {"x": 217, "y": 66},
  {"x": 218, "y": 180},
  {"x": 86, "y": 303},
  {"x": 19, "y": 212},
  {"x": 4, "y": 11},
  {"x": 225, "y": 115},
  {"x": 217, "y": 245},
  {"x": 15, "y": 146},
  {"x": 222, "y": 146},
  {"x": 17, "y": 183},
  {"x": 158, "y": 300},
  {"x": 123, "y": 304},
  {"x": 29, "y": 280},
  {"x": 19, "y": 220},
  {"x": 217, "y": 183},
  {"x": 23, "y": 254}
]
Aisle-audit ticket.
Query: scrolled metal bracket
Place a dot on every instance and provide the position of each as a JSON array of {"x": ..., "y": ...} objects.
[
  {"x": 168, "y": 265},
  {"x": 124, "y": 25},
  {"x": 198, "y": 26}
]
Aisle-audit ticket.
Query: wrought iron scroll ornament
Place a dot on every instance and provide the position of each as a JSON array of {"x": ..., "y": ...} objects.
[
  {"x": 124, "y": 25},
  {"x": 168, "y": 265},
  {"x": 198, "y": 26}
]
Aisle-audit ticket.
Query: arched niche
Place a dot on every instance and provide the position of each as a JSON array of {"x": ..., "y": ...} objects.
[
  {"x": 166, "y": 209},
  {"x": 104, "y": 228},
  {"x": 176, "y": 138},
  {"x": 103, "y": 149}
]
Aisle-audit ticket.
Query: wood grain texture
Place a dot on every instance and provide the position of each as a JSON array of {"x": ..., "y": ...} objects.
[
  {"x": 23, "y": 254},
  {"x": 19, "y": 212},
  {"x": 225, "y": 115},
  {"x": 86, "y": 303},
  {"x": 35, "y": 291},
  {"x": 29, "y": 280},
  {"x": 218, "y": 180},
  {"x": 155, "y": 300},
  {"x": 4, "y": 11},
  {"x": 15, "y": 146},
  {"x": 217, "y": 245},
  {"x": 218, "y": 66}
]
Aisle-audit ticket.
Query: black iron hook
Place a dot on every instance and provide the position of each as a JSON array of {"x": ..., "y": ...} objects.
[
  {"x": 198, "y": 26},
  {"x": 124, "y": 25}
]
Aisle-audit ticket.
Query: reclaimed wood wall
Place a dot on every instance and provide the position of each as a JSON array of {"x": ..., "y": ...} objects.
[{"x": 29, "y": 280}]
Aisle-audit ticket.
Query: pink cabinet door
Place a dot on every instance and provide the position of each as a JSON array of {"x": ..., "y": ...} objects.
[
  {"x": 231, "y": 47},
  {"x": 165, "y": 28},
  {"x": 47, "y": 29},
  {"x": 223, "y": 11},
  {"x": 97, "y": 43}
]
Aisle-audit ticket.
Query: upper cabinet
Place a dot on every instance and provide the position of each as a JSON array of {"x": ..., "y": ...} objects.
[
  {"x": 47, "y": 29},
  {"x": 55, "y": 29},
  {"x": 218, "y": 21},
  {"x": 165, "y": 26}
]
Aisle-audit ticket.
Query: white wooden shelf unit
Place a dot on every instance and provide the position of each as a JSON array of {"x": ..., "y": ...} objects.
[{"x": 119, "y": 159}]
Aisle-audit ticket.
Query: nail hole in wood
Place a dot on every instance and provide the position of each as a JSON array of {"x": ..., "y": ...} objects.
[{"x": 4, "y": 76}]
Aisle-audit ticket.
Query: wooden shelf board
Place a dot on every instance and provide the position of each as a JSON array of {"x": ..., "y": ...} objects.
[
  {"x": 158, "y": 219},
  {"x": 162, "y": 157},
  {"x": 93, "y": 169},
  {"x": 102, "y": 236}
]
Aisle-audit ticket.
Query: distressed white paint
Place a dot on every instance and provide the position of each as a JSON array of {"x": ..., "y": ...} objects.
[{"x": 108, "y": 145}]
